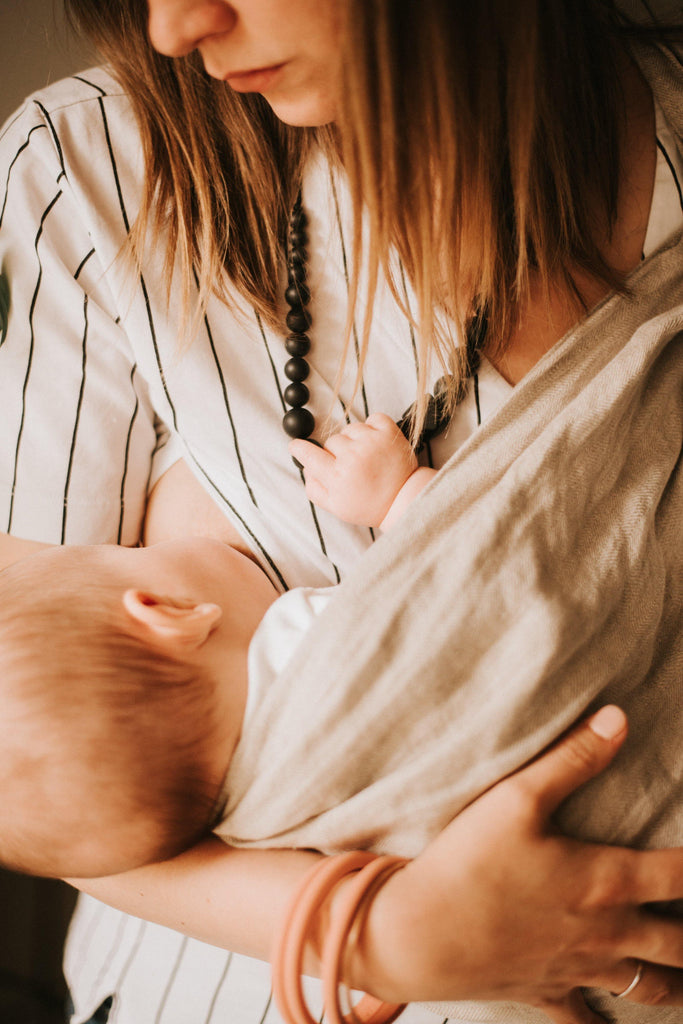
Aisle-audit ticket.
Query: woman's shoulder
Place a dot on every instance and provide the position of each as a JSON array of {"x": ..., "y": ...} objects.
[
  {"x": 67, "y": 108},
  {"x": 79, "y": 135},
  {"x": 78, "y": 92}
]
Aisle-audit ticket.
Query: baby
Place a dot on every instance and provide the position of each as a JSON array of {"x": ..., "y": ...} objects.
[{"x": 125, "y": 673}]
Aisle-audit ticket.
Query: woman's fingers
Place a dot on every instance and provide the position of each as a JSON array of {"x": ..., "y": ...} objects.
[
  {"x": 657, "y": 877},
  {"x": 579, "y": 756},
  {"x": 658, "y": 986},
  {"x": 639, "y": 981},
  {"x": 650, "y": 937}
]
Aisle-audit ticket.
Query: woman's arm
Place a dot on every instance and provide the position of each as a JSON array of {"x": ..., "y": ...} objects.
[
  {"x": 14, "y": 548},
  {"x": 499, "y": 906},
  {"x": 178, "y": 506}
]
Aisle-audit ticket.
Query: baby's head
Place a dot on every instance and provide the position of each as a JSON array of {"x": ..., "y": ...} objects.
[{"x": 113, "y": 743}]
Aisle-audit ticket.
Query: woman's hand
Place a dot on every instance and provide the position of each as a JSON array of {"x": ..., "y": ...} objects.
[{"x": 502, "y": 907}]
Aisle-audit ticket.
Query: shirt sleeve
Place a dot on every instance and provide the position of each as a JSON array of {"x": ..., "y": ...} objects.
[{"x": 79, "y": 436}]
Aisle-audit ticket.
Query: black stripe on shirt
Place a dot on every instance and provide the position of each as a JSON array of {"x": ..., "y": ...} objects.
[
  {"x": 53, "y": 133},
  {"x": 29, "y": 363},
  {"x": 410, "y": 319},
  {"x": 476, "y": 397},
  {"x": 314, "y": 513},
  {"x": 114, "y": 167},
  {"x": 217, "y": 990},
  {"x": 77, "y": 418},
  {"x": 416, "y": 360},
  {"x": 87, "y": 935},
  {"x": 226, "y": 402},
  {"x": 18, "y": 153},
  {"x": 171, "y": 979},
  {"x": 128, "y": 963},
  {"x": 126, "y": 455},
  {"x": 109, "y": 955},
  {"x": 83, "y": 262},
  {"x": 92, "y": 85},
  {"x": 267, "y": 1007}
]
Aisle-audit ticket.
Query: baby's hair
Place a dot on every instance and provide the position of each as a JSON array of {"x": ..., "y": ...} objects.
[{"x": 87, "y": 704}]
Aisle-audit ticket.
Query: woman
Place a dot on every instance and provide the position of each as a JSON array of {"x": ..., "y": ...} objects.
[{"x": 130, "y": 397}]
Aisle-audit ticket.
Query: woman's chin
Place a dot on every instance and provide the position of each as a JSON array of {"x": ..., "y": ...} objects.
[{"x": 310, "y": 112}]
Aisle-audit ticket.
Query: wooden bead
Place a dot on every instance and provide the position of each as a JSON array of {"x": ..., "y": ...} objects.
[
  {"x": 298, "y": 344},
  {"x": 296, "y": 272},
  {"x": 298, "y": 320},
  {"x": 297, "y": 239},
  {"x": 297, "y": 293},
  {"x": 297, "y": 258},
  {"x": 296, "y": 368},
  {"x": 298, "y": 423},
  {"x": 296, "y": 394}
]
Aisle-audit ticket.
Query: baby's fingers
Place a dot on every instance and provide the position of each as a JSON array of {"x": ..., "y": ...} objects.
[
  {"x": 314, "y": 460},
  {"x": 380, "y": 421}
]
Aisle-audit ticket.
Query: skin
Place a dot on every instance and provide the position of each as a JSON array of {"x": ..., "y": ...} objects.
[
  {"x": 300, "y": 40},
  {"x": 366, "y": 474}
]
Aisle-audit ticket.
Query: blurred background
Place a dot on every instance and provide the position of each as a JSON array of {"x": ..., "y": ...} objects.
[{"x": 35, "y": 48}]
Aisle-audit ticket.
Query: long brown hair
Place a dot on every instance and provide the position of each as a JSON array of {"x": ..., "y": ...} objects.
[
  {"x": 222, "y": 171},
  {"x": 479, "y": 141}
]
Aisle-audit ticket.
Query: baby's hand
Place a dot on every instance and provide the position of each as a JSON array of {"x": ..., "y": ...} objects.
[{"x": 359, "y": 472}]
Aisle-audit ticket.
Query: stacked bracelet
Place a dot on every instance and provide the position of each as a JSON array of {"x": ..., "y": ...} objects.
[{"x": 349, "y": 913}]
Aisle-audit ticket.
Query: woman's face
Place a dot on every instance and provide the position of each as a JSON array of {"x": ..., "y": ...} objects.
[{"x": 287, "y": 50}]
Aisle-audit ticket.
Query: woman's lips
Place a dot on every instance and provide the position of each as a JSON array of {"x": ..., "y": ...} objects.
[{"x": 254, "y": 81}]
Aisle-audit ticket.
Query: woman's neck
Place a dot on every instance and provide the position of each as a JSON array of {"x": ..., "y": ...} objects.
[{"x": 548, "y": 314}]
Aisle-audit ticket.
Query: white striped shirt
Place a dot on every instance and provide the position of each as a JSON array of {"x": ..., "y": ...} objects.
[{"x": 97, "y": 401}]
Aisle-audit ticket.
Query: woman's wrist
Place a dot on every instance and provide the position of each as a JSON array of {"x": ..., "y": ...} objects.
[
  {"x": 382, "y": 959},
  {"x": 227, "y": 897},
  {"x": 399, "y": 953}
]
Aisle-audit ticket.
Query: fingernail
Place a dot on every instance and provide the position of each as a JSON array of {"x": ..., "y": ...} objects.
[{"x": 608, "y": 723}]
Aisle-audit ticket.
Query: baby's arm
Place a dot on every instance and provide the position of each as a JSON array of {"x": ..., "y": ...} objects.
[{"x": 367, "y": 474}]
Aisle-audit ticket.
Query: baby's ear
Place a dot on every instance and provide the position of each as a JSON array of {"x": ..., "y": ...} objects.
[{"x": 168, "y": 621}]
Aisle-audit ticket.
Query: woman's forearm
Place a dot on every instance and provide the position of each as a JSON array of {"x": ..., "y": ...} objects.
[{"x": 220, "y": 895}]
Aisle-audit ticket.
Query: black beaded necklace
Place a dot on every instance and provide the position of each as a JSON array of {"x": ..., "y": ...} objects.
[{"x": 299, "y": 421}]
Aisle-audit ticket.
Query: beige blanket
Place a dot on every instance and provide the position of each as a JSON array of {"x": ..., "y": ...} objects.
[{"x": 539, "y": 575}]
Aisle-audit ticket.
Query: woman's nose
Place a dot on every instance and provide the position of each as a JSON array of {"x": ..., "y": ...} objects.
[{"x": 176, "y": 27}]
